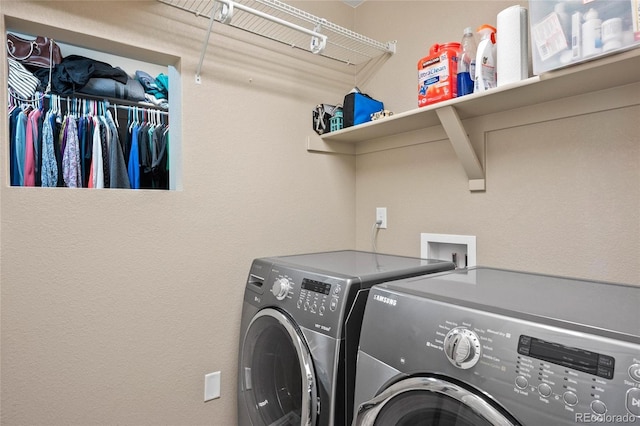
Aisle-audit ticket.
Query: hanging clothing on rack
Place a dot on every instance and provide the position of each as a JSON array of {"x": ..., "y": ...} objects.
[
  {"x": 81, "y": 145},
  {"x": 148, "y": 154}
]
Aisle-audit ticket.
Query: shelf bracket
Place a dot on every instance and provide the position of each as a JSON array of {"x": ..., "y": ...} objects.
[
  {"x": 454, "y": 129},
  {"x": 206, "y": 39}
]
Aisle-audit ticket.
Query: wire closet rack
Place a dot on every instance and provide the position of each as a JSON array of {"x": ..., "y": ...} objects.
[{"x": 286, "y": 24}]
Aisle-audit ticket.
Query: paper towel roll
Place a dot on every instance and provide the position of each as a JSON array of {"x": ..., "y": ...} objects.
[{"x": 512, "y": 46}]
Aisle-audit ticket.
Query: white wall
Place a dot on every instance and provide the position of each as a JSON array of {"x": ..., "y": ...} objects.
[{"x": 115, "y": 303}]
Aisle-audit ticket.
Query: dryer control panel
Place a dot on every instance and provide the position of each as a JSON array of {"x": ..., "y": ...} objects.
[
  {"x": 317, "y": 297},
  {"x": 314, "y": 300}
]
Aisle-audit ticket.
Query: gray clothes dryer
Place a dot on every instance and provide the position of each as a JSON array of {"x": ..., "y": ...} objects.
[
  {"x": 492, "y": 347},
  {"x": 299, "y": 333}
]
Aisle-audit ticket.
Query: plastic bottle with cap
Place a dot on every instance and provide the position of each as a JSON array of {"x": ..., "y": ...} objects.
[
  {"x": 467, "y": 63},
  {"x": 485, "y": 78},
  {"x": 591, "y": 34}
]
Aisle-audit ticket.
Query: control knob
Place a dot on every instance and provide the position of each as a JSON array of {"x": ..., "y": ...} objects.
[
  {"x": 281, "y": 288},
  {"x": 462, "y": 347}
]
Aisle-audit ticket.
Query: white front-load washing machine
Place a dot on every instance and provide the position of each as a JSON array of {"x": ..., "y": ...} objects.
[
  {"x": 299, "y": 333},
  {"x": 493, "y": 347}
]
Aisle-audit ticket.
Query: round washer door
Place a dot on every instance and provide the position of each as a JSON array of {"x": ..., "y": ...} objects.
[
  {"x": 430, "y": 401},
  {"x": 278, "y": 383}
]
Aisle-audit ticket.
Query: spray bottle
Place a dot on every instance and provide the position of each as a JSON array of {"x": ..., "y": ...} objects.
[{"x": 486, "y": 60}]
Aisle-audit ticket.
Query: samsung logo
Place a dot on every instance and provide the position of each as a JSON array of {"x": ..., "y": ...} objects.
[{"x": 383, "y": 299}]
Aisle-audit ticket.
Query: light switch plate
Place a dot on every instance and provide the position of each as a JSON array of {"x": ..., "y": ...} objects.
[{"x": 212, "y": 386}]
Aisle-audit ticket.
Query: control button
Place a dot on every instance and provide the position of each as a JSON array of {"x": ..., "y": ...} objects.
[
  {"x": 607, "y": 373},
  {"x": 605, "y": 361},
  {"x": 306, "y": 305},
  {"x": 634, "y": 372},
  {"x": 524, "y": 345},
  {"x": 336, "y": 289},
  {"x": 462, "y": 347},
  {"x": 633, "y": 401},
  {"x": 281, "y": 288},
  {"x": 299, "y": 304},
  {"x": 598, "y": 407},
  {"x": 544, "y": 390},
  {"x": 321, "y": 310},
  {"x": 314, "y": 307},
  {"x": 570, "y": 398},
  {"x": 522, "y": 382},
  {"x": 334, "y": 304}
]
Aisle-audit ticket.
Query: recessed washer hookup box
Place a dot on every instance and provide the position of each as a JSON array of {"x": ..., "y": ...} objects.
[{"x": 566, "y": 32}]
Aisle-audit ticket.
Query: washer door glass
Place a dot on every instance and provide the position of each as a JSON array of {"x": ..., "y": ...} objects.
[
  {"x": 430, "y": 401},
  {"x": 278, "y": 383}
]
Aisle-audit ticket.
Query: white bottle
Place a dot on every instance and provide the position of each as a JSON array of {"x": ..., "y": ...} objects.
[
  {"x": 486, "y": 60},
  {"x": 591, "y": 34},
  {"x": 611, "y": 34},
  {"x": 576, "y": 36}
]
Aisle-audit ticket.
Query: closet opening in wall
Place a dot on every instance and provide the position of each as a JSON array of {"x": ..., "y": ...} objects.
[{"x": 90, "y": 113}]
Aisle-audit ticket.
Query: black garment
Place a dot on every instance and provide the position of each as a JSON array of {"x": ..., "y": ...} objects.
[
  {"x": 105, "y": 155},
  {"x": 87, "y": 150},
  {"x": 144, "y": 157},
  {"x": 118, "y": 176},
  {"x": 159, "y": 173},
  {"x": 58, "y": 148},
  {"x": 110, "y": 88},
  {"x": 74, "y": 72}
]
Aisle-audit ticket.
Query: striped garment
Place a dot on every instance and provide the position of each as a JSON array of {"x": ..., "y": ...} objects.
[{"x": 21, "y": 81}]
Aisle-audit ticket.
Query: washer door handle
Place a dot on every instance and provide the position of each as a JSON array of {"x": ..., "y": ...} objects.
[{"x": 369, "y": 411}]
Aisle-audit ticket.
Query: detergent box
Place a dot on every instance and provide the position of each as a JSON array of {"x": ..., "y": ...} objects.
[{"x": 437, "y": 74}]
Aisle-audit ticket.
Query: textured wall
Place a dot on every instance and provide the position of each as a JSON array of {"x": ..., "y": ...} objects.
[{"x": 115, "y": 304}]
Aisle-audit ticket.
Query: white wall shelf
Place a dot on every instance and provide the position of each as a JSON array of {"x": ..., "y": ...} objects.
[
  {"x": 281, "y": 22},
  {"x": 608, "y": 72}
]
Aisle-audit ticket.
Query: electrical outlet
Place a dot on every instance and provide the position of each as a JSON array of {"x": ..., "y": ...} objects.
[
  {"x": 211, "y": 386},
  {"x": 381, "y": 216}
]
